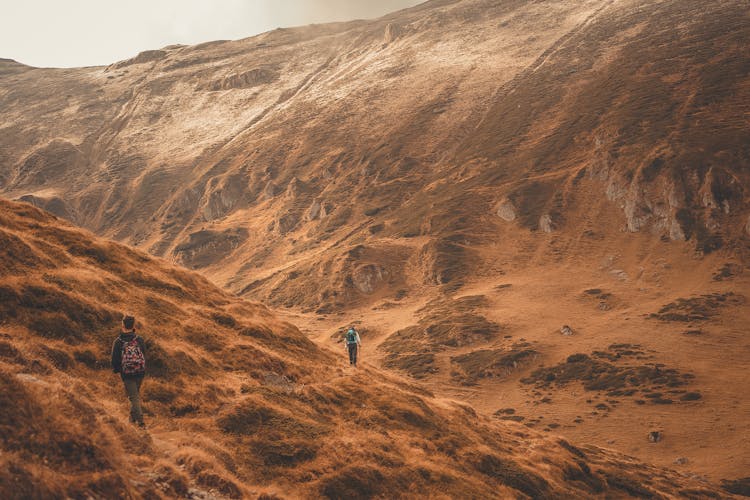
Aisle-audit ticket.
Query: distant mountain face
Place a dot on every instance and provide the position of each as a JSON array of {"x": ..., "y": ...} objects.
[{"x": 333, "y": 165}]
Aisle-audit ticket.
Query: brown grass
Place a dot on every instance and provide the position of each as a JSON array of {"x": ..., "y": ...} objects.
[{"x": 236, "y": 401}]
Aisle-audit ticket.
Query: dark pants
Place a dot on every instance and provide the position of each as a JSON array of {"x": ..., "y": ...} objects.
[
  {"x": 352, "y": 354},
  {"x": 133, "y": 390}
]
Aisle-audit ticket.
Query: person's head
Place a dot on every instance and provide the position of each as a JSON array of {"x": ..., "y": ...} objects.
[{"x": 128, "y": 322}]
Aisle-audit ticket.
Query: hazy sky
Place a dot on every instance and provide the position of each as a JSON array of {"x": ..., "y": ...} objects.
[{"x": 67, "y": 33}]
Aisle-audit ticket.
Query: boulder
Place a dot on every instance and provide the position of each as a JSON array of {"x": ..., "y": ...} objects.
[
  {"x": 507, "y": 211},
  {"x": 654, "y": 436}
]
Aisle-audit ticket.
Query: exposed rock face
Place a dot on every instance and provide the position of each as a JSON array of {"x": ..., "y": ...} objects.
[
  {"x": 316, "y": 210},
  {"x": 367, "y": 278},
  {"x": 269, "y": 191},
  {"x": 545, "y": 223},
  {"x": 143, "y": 57},
  {"x": 223, "y": 198},
  {"x": 245, "y": 80},
  {"x": 204, "y": 248}
]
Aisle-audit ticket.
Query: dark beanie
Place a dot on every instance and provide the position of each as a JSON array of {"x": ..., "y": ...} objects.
[{"x": 128, "y": 321}]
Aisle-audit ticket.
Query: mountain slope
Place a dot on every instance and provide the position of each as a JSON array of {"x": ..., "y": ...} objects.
[
  {"x": 303, "y": 142},
  {"x": 463, "y": 178},
  {"x": 237, "y": 402}
]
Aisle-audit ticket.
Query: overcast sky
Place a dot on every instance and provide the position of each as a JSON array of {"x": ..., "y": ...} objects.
[{"x": 69, "y": 33}]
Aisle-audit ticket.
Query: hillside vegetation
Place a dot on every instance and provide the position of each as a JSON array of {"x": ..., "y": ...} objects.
[{"x": 238, "y": 403}]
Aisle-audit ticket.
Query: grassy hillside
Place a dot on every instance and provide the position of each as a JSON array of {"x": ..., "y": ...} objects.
[{"x": 238, "y": 403}]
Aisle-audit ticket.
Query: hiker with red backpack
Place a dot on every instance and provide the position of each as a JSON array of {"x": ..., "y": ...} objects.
[{"x": 129, "y": 361}]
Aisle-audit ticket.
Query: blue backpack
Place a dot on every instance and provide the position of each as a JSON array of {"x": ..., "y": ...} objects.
[{"x": 351, "y": 337}]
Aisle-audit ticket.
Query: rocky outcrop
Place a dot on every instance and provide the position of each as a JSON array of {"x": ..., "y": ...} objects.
[
  {"x": 207, "y": 247},
  {"x": 392, "y": 32},
  {"x": 546, "y": 223},
  {"x": 367, "y": 278},
  {"x": 673, "y": 204},
  {"x": 269, "y": 191},
  {"x": 52, "y": 204},
  {"x": 245, "y": 80},
  {"x": 143, "y": 57},
  {"x": 223, "y": 198},
  {"x": 316, "y": 211}
]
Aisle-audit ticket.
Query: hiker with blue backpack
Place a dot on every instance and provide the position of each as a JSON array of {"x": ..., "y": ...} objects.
[
  {"x": 128, "y": 359},
  {"x": 353, "y": 343}
]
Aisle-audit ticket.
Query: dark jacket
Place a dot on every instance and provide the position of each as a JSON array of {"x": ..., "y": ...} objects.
[{"x": 117, "y": 352}]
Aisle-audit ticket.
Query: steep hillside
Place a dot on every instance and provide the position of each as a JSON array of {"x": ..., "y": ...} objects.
[{"x": 238, "y": 403}]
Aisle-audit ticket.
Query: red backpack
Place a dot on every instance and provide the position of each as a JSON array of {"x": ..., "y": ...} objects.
[{"x": 133, "y": 360}]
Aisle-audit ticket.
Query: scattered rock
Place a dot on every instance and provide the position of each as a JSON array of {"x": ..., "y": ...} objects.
[
  {"x": 282, "y": 382},
  {"x": 546, "y": 224},
  {"x": 507, "y": 212},
  {"x": 654, "y": 436},
  {"x": 619, "y": 274},
  {"x": 566, "y": 330}
]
